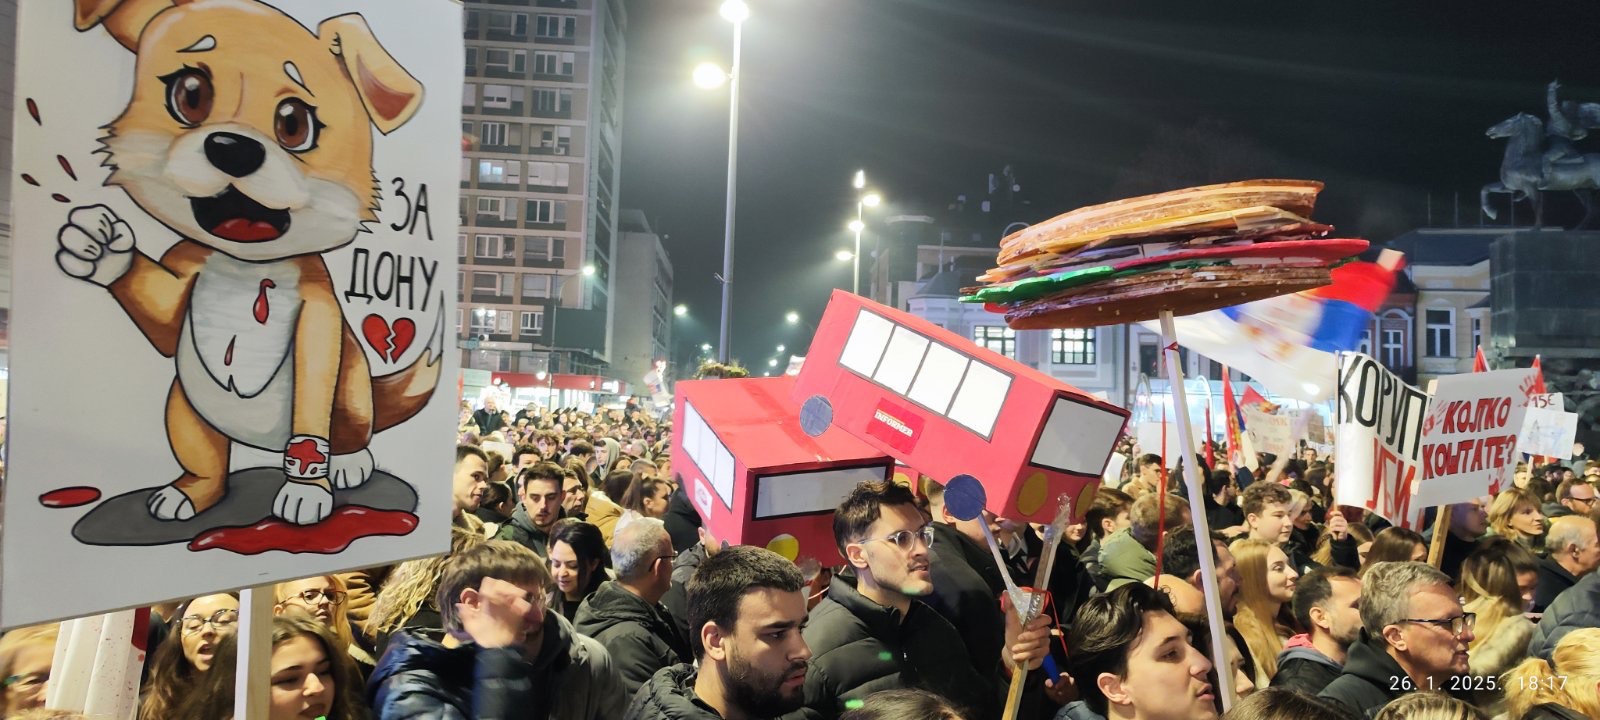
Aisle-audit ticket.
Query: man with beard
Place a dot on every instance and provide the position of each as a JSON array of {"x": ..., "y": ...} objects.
[
  {"x": 874, "y": 632},
  {"x": 1327, "y": 601},
  {"x": 746, "y": 606},
  {"x": 539, "y": 510}
]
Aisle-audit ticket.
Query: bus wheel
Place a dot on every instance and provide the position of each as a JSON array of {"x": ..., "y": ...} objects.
[{"x": 816, "y": 414}]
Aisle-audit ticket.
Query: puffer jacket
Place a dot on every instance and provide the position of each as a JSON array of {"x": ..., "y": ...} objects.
[
  {"x": 1306, "y": 669},
  {"x": 670, "y": 696},
  {"x": 859, "y": 647},
  {"x": 1369, "y": 679},
  {"x": 639, "y": 636},
  {"x": 418, "y": 677},
  {"x": 1577, "y": 607},
  {"x": 676, "y": 601},
  {"x": 1497, "y": 649}
]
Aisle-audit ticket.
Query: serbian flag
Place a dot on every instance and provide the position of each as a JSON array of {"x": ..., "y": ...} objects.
[
  {"x": 1288, "y": 343},
  {"x": 1233, "y": 421},
  {"x": 1479, "y": 362}
]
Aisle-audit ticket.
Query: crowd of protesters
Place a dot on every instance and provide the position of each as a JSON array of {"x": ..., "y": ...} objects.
[{"x": 580, "y": 585}]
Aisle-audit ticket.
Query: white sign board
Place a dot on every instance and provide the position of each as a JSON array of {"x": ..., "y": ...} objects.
[
  {"x": 1273, "y": 434},
  {"x": 1548, "y": 433},
  {"x": 1547, "y": 401},
  {"x": 1113, "y": 472},
  {"x": 1469, "y": 439},
  {"x": 235, "y": 226},
  {"x": 1377, "y": 459},
  {"x": 1149, "y": 436}
]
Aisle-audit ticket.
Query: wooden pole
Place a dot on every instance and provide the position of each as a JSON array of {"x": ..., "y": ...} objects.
[
  {"x": 1441, "y": 528},
  {"x": 252, "y": 700},
  {"x": 1197, "y": 510}
]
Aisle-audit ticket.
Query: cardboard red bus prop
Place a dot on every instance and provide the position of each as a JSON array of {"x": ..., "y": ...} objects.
[
  {"x": 758, "y": 479},
  {"x": 947, "y": 407}
]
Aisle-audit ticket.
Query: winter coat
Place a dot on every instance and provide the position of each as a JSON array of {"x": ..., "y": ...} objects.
[
  {"x": 965, "y": 593},
  {"x": 521, "y": 530},
  {"x": 1578, "y": 607},
  {"x": 638, "y": 634},
  {"x": 670, "y": 696},
  {"x": 1553, "y": 580},
  {"x": 418, "y": 677},
  {"x": 1456, "y": 550},
  {"x": 682, "y": 521},
  {"x": 1078, "y": 710},
  {"x": 1505, "y": 645},
  {"x": 676, "y": 601},
  {"x": 1551, "y": 711},
  {"x": 859, "y": 647},
  {"x": 1305, "y": 669},
  {"x": 1370, "y": 678},
  {"x": 1124, "y": 560},
  {"x": 1553, "y": 510},
  {"x": 603, "y": 514}
]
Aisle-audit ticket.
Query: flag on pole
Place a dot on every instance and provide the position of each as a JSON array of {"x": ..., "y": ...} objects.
[
  {"x": 1233, "y": 421},
  {"x": 1479, "y": 362},
  {"x": 1538, "y": 377},
  {"x": 1288, "y": 343}
]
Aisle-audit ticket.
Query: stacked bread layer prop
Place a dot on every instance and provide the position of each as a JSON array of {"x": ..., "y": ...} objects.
[{"x": 1187, "y": 251}]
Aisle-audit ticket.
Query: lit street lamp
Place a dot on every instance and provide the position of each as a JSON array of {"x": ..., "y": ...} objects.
[
  {"x": 868, "y": 199},
  {"x": 791, "y": 317},
  {"x": 705, "y": 347},
  {"x": 843, "y": 255},
  {"x": 708, "y": 75},
  {"x": 780, "y": 349},
  {"x": 681, "y": 310},
  {"x": 772, "y": 362}
]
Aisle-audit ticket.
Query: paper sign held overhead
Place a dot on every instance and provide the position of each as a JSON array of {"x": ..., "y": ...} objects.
[
  {"x": 1469, "y": 438},
  {"x": 1377, "y": 459},
  {"x": 1548, "y": 433},
  {"x": 1273, "y": 434},
  {"x": 232, "y": 244}
]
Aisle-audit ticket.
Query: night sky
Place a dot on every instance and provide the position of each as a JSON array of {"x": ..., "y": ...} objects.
[{"x": 1386, "y": 102}]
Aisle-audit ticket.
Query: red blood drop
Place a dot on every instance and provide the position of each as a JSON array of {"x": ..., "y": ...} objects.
[
  {"x": 67, "y": 167},
  {"x": 70, "y": 497},
  {"x": 33, "y": 110},
  {"x": 29, "y": 180},
  {"x": 331, "y": 536},
  {"x": 58, "y": 197}
]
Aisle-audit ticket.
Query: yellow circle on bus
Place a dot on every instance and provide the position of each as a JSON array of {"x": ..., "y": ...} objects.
[
  {"x": 786, "y": 545},
  {"x": 1032, "y": 494}
]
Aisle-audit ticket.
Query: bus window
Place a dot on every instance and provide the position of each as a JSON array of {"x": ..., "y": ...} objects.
[
  {"x": 978, "y": 401},
  {"x": 904, "y": 357},
  {"x": 937, "y": 380},
  {"x": 1075, "y": 437},
  {"x": 867, "y": 341},
  {"x": 808, "y": 493},
  {"x": 708, "y": 454}
]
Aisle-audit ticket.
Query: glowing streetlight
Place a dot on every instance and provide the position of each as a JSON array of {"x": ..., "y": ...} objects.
[
  {"x": 791, "y": 317},
  {"x": 772, "y": 362},
  {"x": 871, "y": 199},
  {"x": 588, "y": 271},
  {"x": 780, "y": 348},
  {"x": 843, "y": 255},
  {"x": 863, "y": 200},
  {"x": 856, "y": 226},
  {"x": 680, "y": 310},
  {"x": 709, "y": 75},
  {"x": 734, "y": 11},
  {"x": 705, "y": 347}
]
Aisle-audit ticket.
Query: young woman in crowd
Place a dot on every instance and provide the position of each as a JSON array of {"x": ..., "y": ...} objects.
[
  {"x": 1304, "y": 533},
  {"x": 1324, "y": 554},
  {"x": 323, "y": 597},
  {"x": 178, "y": 667},
  {"x": 578, "y": 563},
  {"x": 1266, "y": 585},
  {"x": 1565, "y": 688},
  {"x": 1395, "y": 544},
  {"x": 25, "y": 658},
  {"x": 1497, "y": 583},
  {"x": 407, "y": 597},
  {"x": 1515, "y": 514},
  {"x": 310, "y": 676},
  {"x": 645, "y": 498},
  {"x": 1428, "y": 706}
]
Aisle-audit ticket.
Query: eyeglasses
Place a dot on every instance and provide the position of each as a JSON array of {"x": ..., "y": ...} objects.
[
  {"x": 309, "y": 597},
  {"x": 1586, "y": 501},
  {"x": 220, "y": 620},
  {"x": 669, "y": 557},
  {"x": 32, "y": 682},
  {"x": 906, "y": 540},
  {"x": 1456, "y": 625}
]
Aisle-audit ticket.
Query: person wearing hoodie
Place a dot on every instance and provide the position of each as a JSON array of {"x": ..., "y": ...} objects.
[
  {"x": 606, "y": 453},
  {"x": 626, "y": 614},
  {"x": 538, "y": 510},
  {"x": 1327, "y": 601},
  {"x": 1414, "y": 636},
  {"x": 746, "y": 605},
  {"x": 501, "y": 654}
]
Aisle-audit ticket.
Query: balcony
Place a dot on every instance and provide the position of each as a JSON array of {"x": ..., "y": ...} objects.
[
  {"x": 565, "y": 150},
  {"x": 554, "y": 225},
  {"x": 555, "y": 77},
  {"x": 516, "y": 109},
  {"x": 493, "y": 221},
  {"x": 534, "y": 261},
  {"x": 519, "y": 3},
  {"x": 503, "y": 72},
  {"x": 506, "y": 36},
  {"x": 552, "y": 40},
  {"x": 507, "y": 261},
  {"x": 565, "y": 4},
  {"x": 513, "y": 187},
  {"x": 483, "y": 297},
  {"x": 508, "y": 149},
  {"x": 554, "y": 189},
  {"x": 551, "y": 113}
]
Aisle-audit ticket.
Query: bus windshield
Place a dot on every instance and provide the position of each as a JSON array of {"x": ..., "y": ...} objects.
[
  {"x": 806, "y": 493},
  {"x": 1076, "y": 437}
]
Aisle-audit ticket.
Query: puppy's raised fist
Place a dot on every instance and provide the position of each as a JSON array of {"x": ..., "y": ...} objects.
[{"x": 96, "y": 245}]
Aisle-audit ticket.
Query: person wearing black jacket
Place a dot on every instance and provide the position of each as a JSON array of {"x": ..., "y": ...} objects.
[
  {"x": 1222, "y": 506},
  {"x": 1326, "y": 602},
  {"x": 1414, "y": 636},
  {"x": 626, "y": 614},
  {"x": 1574, "y": 553},
  {"x": 538, "y": 511},
  {"x": 1468, "y": 523},
  {"x": 873, "y": 632}
]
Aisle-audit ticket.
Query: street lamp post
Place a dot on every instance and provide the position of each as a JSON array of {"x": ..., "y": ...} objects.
[
  {"x": 862, "y": 200},
  {"x": 555, "y": 312},
  {"x": 734, "y": 11}
]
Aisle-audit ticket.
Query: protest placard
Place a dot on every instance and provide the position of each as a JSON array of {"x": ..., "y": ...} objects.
[
  {"x": 238, "y": 255},
  {"x": 1272, "y": 434},
  {"x": 1548, "y": 433},
  {"x": 1149, "y": 434},
  {"x": 1377, "y": 459},
  {"x": 1469, "y": 438}
]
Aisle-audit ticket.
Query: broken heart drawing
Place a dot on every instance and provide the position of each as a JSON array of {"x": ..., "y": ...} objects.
[{"x": 390, "y": 340}]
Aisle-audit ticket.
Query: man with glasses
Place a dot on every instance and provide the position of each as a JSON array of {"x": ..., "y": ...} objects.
[
  {"x": 1414, "y": 636},
  {"x": 502, "y": 653},
  {"x": 873, "y": 632},
  {"x": 626, "y": 614},
  {"x": 1574, "y": 552},
  {"x": 1573, "y": 497}
]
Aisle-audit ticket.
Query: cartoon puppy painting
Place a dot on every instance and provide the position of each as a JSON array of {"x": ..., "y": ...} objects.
[{"x": 250, "y": 136}]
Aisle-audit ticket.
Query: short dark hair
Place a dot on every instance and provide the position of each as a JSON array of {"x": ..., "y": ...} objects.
[
  {"x": 1217, "y": 480},
  {"x": 540, "y": 471},
  {"x": 1180, "y": 556},
  {"x": 903, "y": 704},
  {"x": 500, "y": 559},
  {"x": 1109, "y": 502},
  {"x": 1104, "y": 631},
  {"x": 615, "y": 485},
  {"x": 1314, "y": 589},
  {"x": 863, "y": 507},
  {"x": 723, "y": 578},
  {"x": 580, "y": 447},
  {"x": 1149, "y": 459},
  {"x": 496, "y": 493},
  {"x": 523, "y": 449},
  {"x": 465, "y": 451},
  {"x": 1278, "y": 703},
  {"x": 1259, "y": 494}
]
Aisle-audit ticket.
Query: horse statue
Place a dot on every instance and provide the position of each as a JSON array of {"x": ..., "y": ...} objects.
[{"x": 1529, "y": 168}]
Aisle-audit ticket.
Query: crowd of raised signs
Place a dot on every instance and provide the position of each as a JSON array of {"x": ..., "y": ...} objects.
[{"x": 581, "y": 586}]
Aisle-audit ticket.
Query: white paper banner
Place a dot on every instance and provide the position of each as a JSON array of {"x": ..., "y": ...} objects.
[
  {"x": 1469, "y": 439},
  {"x": 1377, "y": 456},
  {"x": 234, "y": 249},
  {"x": 1273, "y": 434},
  {"x": 1549, "y": 433}
]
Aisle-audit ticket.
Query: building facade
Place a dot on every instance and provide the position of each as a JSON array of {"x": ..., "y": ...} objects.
[
  {"x": 1448, "y": 270},
  {"x": 541, "y": 125},
  {"x": 642, "y": 333}
]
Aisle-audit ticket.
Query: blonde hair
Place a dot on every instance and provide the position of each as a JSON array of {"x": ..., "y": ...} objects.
[
  {"x": 13, "y": 643},
  {"x": 340, "y": 622},
  {"x": 1429, "y": 706},
  {"x": 413, "y": 584},
  {"x": 1323, "y": 555},
  {"x": 1489, "y": 583},
  {"x": 1259, "y": 618},
  {"x": 1575, "y": 661},
  {"x": 1506, "y": 505}
]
